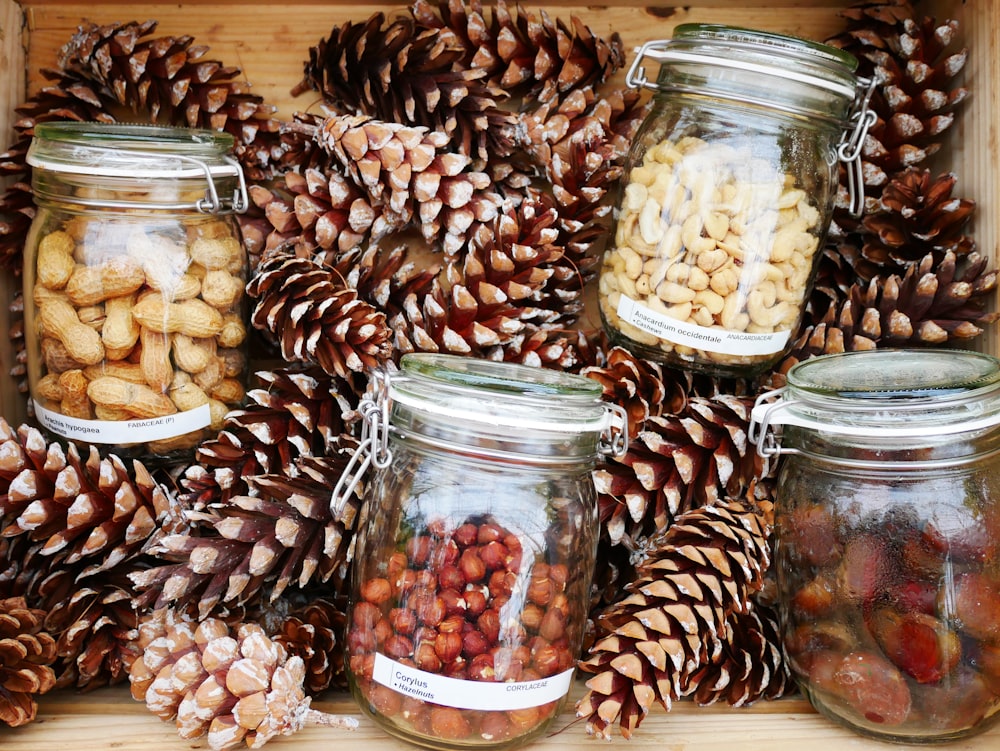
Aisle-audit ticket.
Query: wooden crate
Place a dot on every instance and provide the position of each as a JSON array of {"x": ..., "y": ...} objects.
[{"x": 270, "y": 42}]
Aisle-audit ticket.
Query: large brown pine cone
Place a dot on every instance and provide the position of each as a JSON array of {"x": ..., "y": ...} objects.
[{"x": 672, "y": 618}]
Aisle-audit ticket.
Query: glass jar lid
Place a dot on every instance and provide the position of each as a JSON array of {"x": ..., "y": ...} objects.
[
  {"x": 738, "y": 63},
  {"x": 887, "y": 393},
  {"x": 122, "y": 155}
]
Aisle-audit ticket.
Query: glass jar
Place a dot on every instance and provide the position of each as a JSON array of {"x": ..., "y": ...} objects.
[
  {"x": 134, "y": 272},
  {"x": 727, "y": 195},
  {"x": 887, "y": 532},
  {"x": 473, "y": 567}
]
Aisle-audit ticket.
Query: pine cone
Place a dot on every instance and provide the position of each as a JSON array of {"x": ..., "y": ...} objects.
[
  {"x": 535, "y": 58},
  {"x": 935, "y": 303},
  {"x": 411, "y": 175},
  {"x": 316, "y": 317},
  {"x": 917, "y": 215},
  {"x": 97, "y": 628},
  {"x": 915, "y": 97},
  {"x": 257, "y": 545},
  {"x": 677, "y": 463},
  {"x": 405, "y": 73},
  {"x": 234, "y": 685},
  {"x": 89, "y": 511},
  {"x": 295, "y": 413},
  {"x": 752, "y": 665},
  {"x": 672, "y": 619},
  {"x": 26, "y": 652},
  {"x": 314, "y": 633}
]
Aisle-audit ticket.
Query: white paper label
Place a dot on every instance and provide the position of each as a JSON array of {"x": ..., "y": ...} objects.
[
  {"x": 462, "y": 694},
  {"x": 124, "y": 431},
  {"x": 700, "y": 337}
]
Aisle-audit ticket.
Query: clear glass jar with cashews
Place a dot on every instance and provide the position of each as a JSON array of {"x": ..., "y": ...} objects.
[
  {"x": 475, "y": 554},
  {"x": 887, "y": 538},
  {"x": 727, "y": 195},
  {"x": 134, "y": 274}
]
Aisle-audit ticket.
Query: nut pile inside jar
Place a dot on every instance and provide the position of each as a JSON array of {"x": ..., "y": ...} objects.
[
  {"x": 712, "y": 255},
  {"x": 466, "y": 602},
  {"x": 138, "y": 321}
]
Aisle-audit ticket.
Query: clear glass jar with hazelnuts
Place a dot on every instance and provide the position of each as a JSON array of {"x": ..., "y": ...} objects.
[{"x": 473, "y": 564}]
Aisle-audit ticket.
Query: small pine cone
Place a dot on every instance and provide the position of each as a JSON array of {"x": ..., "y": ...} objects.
[
  {"x": 97, "y": 628},
  {"x": 672, "y": 618},
  {"x": 917, "y": 215},
  {"x": 316, "y": 318},
  {"x": 403, "y": 72},
  {"x": 752, "y": 665},
  {"x": 27, "y": 651},
  {"x": 313, "y": 633},
  {"x": 287, "y": 534},
  {"x": 530, "y": 57},
  {"x": 678, "y": 462},
  {"x": 233, "y": 685}
]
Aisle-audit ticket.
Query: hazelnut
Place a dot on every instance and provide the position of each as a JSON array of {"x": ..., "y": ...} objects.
[
  {"x": 418, "y": 550},
  {"x": 376, "y": 591},
  {"x": 475, "y": 602},
  {"x": 403, "y": 621},
  {"x": 472, "y": 566},
  {"x": 489, "y": 624},
  {"x": 449, "y": 577},
  {"x": 448, "y": 645},
  {"x": 425, "y": 657},
  {"x": 494, "y": 555},
  {"x": 489, "y": 532},
  {"x": 553, "y": 625},
  {"x": 474, "y": 643},
  {"x": 466, "y": 535},
  {"x": 481, "y": 668},
  {"x": 398, "y": 646},
  {"x": 449, "y": 723}
]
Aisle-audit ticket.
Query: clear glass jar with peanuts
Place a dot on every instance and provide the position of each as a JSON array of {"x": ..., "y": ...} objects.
[
  {"x": 134, "y": 273},
  {"x": 727, "y": 196},
  {"x": 473, "y": 565}
]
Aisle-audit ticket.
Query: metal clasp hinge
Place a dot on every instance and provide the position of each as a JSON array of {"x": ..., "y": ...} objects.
[
  {"x": 853, "y": 142},
  {"x": 374, "y": 446},
  {"x": 614, "y": 438}
]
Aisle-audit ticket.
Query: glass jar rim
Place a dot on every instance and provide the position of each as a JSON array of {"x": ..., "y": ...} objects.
[
  {"x": 500, "y": 394},
  {"x": 720, "y": 48},
  {"x": 142, "y": 151},
  {"x": 887, "y": 393}
]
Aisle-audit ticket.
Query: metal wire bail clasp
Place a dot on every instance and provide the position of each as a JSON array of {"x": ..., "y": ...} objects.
[
  {"x": 761, "y": 433},
  {"x": 374, "y": 446},
  {"x": 614, "y": 438},
  {"x": 852, "y": 144},
  {"x": 636, "y": 77}
]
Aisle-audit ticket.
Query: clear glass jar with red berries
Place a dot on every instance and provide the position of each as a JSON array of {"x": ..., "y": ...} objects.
[
  {"x": 887, "y": 531},
  {"x": 474, "y": 561}
]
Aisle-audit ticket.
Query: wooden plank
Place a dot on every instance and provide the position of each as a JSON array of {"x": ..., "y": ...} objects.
[
  {"x": 12, "y": 92},
  {"x": 272, "y": 43},
  {"x": 109, "y": 718}
]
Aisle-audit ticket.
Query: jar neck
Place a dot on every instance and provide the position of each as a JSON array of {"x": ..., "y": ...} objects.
[
  {"x": 81, "y": 192},
  {"x": 523, "y": 447},
  {"x": 889, "y": 453}
]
